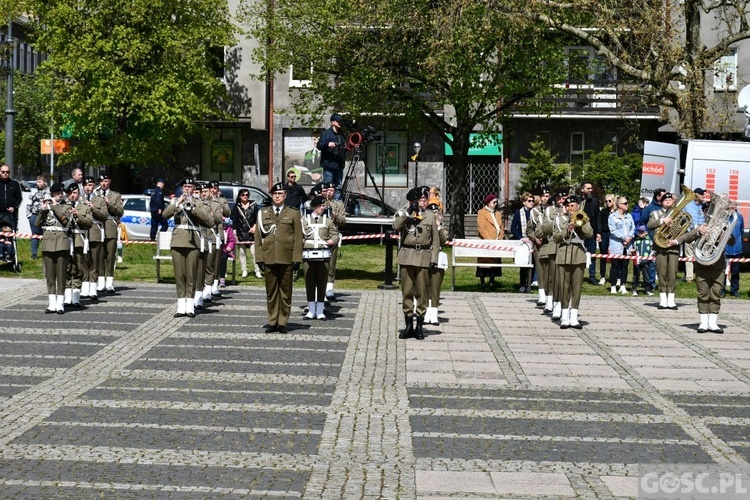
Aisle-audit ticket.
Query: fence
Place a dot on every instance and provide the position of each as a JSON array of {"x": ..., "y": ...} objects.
[{"x": 482, "y": 178}]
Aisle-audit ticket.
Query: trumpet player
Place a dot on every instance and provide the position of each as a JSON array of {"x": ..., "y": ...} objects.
[
  {"x": 553, "y": 303},
  {"x": 709, "y": 281},
  {"x": 53, "y": 219},
  {"x": 205, "y": 272},
  {"x": 96, "y": 239},
  {"x": 186, "y": 245},
  {"x": 666, "y": 258},
  {"x": 337, "y": 212},
  {"x": 571, "y": 231},
  {"x": 113, "y": 202},
  {"x": 79, "y": 222},
  {"x": 418, "y": 254}
]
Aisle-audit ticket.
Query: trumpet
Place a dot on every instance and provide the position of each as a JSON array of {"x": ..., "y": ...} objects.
[{"x": 580, "y": 218}]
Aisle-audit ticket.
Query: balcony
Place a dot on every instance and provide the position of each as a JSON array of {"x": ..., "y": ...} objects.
[{"x": 606, "y": 98}]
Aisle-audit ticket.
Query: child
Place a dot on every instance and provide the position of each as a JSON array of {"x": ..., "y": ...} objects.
[
  {"x": 227, "y": 251},
  {"x": 122, "y": 238},
  {"x": 642, "y": 248}
]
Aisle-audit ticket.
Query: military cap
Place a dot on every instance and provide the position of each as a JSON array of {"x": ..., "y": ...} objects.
[
  {"x": 317, "y": 201},
  {"x": 279, "y": 186},
  {"x": 57, "y": 187}
]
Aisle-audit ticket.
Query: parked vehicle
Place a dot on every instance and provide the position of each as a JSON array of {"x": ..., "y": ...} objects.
[
  {"x": 367, "y": 215},
  {"x": 137, "y": 216}
]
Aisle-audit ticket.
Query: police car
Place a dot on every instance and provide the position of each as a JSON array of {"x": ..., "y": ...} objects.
[{"x": 137, "y": 216}]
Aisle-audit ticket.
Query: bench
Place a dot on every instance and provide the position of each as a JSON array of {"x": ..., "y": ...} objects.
[
  {"x": 164, "y": 253},
  {"x": 515, "y": 250}
]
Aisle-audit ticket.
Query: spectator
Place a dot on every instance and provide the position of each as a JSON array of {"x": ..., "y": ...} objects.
[
  {"x": 227, "y": 251},
  {"x": 518, "y": 226},
  {"x": 490, "y": 227},
  {"x": 332, "y": 148},
  {"x": 604, "y": 213},
  {"x": 734, "y": 251},
  {"x": 244, "y": 217},
  {"x": 621, "y": 232},
  {"x": 32, "y": 211},
  {"x": 590, "y": 206},
  {"x": 637, "y": 209},
  {"x": 10, "y": 200},
  {"x": 435, "y": 200},
  {"x": 642, "y": 248},
  {"x": 695, "y": 210},
  {"x": 76, "y": 177},
  {"x": 295, "y": 194}
]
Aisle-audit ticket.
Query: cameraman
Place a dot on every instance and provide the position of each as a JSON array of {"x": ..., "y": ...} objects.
[{"x": 331, "y": 146}]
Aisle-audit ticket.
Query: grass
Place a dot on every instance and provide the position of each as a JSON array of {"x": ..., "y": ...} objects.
[{"x": 360, "y": 267}]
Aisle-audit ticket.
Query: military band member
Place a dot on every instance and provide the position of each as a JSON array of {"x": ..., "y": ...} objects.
[
  {"x": 570, "y": 235},
  {"x": 55, "y": 246},
  {"x": 278, "y": 236},
  {"x": 709, "y": 281},
  {"x": 666, "y": 258},
  {"x": 113, "y": 202},
  {"x": 437, "y": 274},
  {"x": 417, "y": 255},
  {"x": 534, "y": 233},
  {"x": 96, "y": 239},
  {"x": 337, "y": 212},
  {"x": 224, "y": 211},
  {"x": 189, "y": 216},
  {"x": 553, "y": 305},
  {"x": 79, "y": 222},
  {"x": 213, "y": 235},
  {"x": 320, "y": 238}
]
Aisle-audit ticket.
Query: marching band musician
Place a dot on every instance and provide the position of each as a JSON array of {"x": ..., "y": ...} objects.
[
  {"x": 80, "y": 221},
  {"x": 534, "y": 233},
  {"x": 553, "y": 305},
  {"x": 570, "y": 234},
  {"x": 96, "y": 239},
  {"x": 437, "y": 274},
  {"x": 214, "y": 236},
  {"x": 278, "y": 237},
  {"x": 417, "y": 254},
  {"x": 320, "y": 239},
  {"x": 224, "y": 210},
  {"x": 113, "y": 202},
  {"x": 709, "y": 281},
  {"x": 186, "y": 244},
  {"x": 204, "y": 275},
  {"x": 337, "y": 212},
  {"x": 666, "y": 258},
  {"x": 53, "y": 219}
]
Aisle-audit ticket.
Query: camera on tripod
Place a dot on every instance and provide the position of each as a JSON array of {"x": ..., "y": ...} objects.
[{"x": 368, "y": 134}]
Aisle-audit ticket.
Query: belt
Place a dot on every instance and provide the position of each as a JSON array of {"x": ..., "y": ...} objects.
[
  {"x": 418, "y": 246},
  {"x": 53, "y": 228},
  {"x": 187, "y": 226},
  {"x": 79, "y": 231}
]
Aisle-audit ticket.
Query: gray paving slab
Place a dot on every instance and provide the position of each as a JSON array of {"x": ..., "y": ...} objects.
[{"x": 120, "y": 399}]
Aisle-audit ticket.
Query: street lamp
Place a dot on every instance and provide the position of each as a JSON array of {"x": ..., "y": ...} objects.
[
  {"x": 9, "y": 111},
  {"x": 417, "y": 147}
]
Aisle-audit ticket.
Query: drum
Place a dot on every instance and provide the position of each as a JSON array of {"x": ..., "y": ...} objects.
[{"x": 319, "y": 254}]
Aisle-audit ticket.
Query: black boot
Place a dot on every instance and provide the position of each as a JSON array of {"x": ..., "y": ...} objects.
[
  {"x": 419, "y": 334},
  {"x": 409, "y": 330}
]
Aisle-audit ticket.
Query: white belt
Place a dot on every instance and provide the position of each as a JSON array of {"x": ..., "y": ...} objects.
[
  {"x": 79, "y": 231},
  {"x": 111, "y": 217},
  {"x": 53, "y": 228},
  {"x": 186, "y": 226}
]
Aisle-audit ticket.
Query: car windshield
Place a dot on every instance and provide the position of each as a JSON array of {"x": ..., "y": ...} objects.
[{"x": 136, "y": 205}]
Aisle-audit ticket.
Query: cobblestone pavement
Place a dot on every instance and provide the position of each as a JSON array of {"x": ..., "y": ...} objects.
[{"x": 120, "y": 399}]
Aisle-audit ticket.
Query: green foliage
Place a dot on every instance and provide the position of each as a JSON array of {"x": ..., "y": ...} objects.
[
  {"x": 541, "y": 170},
  {"x": 620, "y": 175},
  {"x": 131, "y": 78}
]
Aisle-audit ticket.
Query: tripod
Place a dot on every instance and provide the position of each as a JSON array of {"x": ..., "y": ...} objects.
[{"x": 357, "y": 155}]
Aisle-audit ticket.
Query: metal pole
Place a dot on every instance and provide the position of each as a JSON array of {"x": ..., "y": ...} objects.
[
  {"x": 9, "y": 111},
  {"x": 390, "y": 243}
]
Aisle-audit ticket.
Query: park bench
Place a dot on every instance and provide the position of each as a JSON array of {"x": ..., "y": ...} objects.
[
  {"x": 465, "y": 252},
  {"x": 164, "y": 253}
]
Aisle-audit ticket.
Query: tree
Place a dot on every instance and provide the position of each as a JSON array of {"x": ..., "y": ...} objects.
[
  {"x": 410, "y": 60},
  {"x": 620, "y": 175},
  {"x": 132, "y": 78},
  {"x": 670, "y": 46},
  {"x": 541, "y": 170}
]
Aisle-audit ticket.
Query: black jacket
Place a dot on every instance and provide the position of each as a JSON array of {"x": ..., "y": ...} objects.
[
  {"x": 10, "y": 196},
  {"x": 332, "y": 158},
  {"x": 591, "y": 208},
  {"x": 295, "y": 196},
  {"x": 157, "y": 200}
]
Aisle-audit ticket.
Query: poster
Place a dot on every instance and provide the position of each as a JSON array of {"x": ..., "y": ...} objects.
[
  {"x": 301, "y": 155},
  {"x": 222, "y": 156},
  {"x": 391, "y": 159}
]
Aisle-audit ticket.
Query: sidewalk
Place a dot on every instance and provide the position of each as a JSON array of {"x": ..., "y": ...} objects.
[{"x": 121, "y": 399}]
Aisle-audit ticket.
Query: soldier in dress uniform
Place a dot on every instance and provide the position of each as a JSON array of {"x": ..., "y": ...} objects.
[
  {"x": 189, "y": 216},
  {"x": 96, "y": 239},
  {"x": 417, "y": 255},
  {"x": 320, "y": 238},
  {"x": 570, "y": 235},
  {"x": 80, "y": 221},
  {"x": 113, "y": 202},
  {"x": 53, "y": 219},
  {"x": 223, "y": 210},
  {"x": 666, "y": 258},
  {"x": 204, "y": 278},
  {"x": 337, "y": 212},
  {"x": 534, "y": 233},
  {"x": 554, "y": 304},
  {"x": 709, "y": 281},
  {"x": 436, "y": 274},
  {"x": 278, "y": 236}
]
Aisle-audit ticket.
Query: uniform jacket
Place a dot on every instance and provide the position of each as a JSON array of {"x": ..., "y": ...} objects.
[
  {"x": 337, "y": 211},
  {"x": 79, "y": 228},
  {"x": 54, "y": 222},
  {"x": 570, "y": 246},
  {"x": 692, "y": 236},
  {"x": 654, "y": 221},
  {"x": 187, "y": 223},
  {"x": 420, "y": 241},
  {"x": 99, "y": 215},
  {"x": 317, "y": 234},
  {"x": 157, "y": 200},
  {"x": 550, "y": 246},
  {"x": 278, "y": 238},
  {"x": 114, "y": 212}
]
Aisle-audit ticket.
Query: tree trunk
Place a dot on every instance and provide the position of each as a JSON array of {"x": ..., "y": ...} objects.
[{"x": 459, "y": 180}]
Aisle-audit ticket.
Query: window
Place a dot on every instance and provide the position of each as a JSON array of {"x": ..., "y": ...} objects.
[
  {"x": 301, "y": 79},
  {"x": 725, "y": 71},
  {"x": 584, "y": 63},
  {"x": 577, "y": 146}
]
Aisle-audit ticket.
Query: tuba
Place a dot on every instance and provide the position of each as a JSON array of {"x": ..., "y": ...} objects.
[
  {"x": 710, "y": 246},
  {"x": 681, "y": 220}
]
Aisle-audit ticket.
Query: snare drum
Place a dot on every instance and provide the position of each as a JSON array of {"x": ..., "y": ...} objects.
[{"x": 319, "y": 254}]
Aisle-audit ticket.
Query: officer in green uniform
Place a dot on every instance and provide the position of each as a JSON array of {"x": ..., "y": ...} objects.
[
  {"x": 337, "y": 212},
  {"x": 321, "y": 236},
  {"x": 96, "y": 239},
  {"x": 666, "y": 258},
  {"x": 418, "y": 253},
  {"x": 206, "y": 265},
  {"x": 222, "y": 210},
  {"x": 53, "y": 219},
  {"x": 571, "y": 259},
  {"x": 436, "y": 275},
  {"x": 554, "y": 304},
  {"x": 113, "y": 202},
  {"x": 189, "y": 215},
  {"x": 278, "y": 240},
  {"x": 80, "y": 221}
]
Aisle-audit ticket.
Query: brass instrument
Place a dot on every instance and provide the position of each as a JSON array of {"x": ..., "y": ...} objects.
[
  {"x": 580, "y": 218},
  {"x": 720, "y": 221},
  {"x": 681, "y": 220}
]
